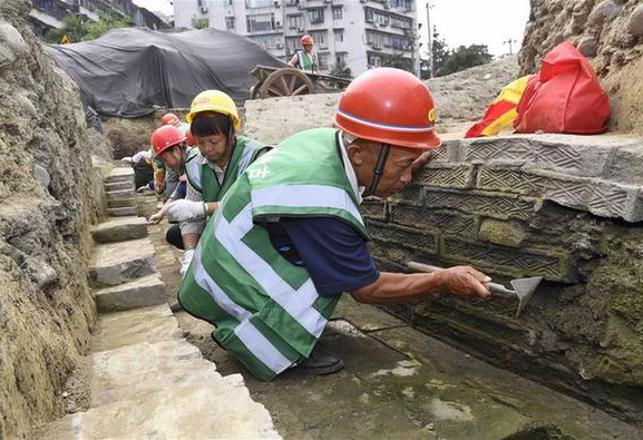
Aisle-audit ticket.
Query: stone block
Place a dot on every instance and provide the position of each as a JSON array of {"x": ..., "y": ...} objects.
[
  {"x": 118, "y": 186},
  {"x": 374, "y": 208},
  {"x": 445, "y": 221},
  {"x": 119, "y": 175},
  {"x": 141, "y": 292},
  {"x": 511, "y": 234},
  {"x": 626, "y": 164},
  {"x": 411, "y": 195},
  {"x": 446, "y": 175},
  {"x": 122, "y": 203},
  {"x": 121, "y": 194},
  {"x": 441, "y": 154},
  {"x": 495, "y": 205},
  {"x": 396, "y": 253},
  {"x": 565, "y": 154},
  {"x": 118, "y": 263},
  {"x": 122, "y": 212},
  {"x": 523, "y": 262},
  {"x": 614, "y": 200},
  {"x": 120, "y": 229},
  {"x": 424, "y": 240}
]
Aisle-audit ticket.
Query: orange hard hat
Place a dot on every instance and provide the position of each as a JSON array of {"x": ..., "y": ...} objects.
[
  {"x": 390, "y": 106},
  {"x": 306, "y": 39},
  {"x": 166, "y": 137},
  {"x": 170, "y": 119}
]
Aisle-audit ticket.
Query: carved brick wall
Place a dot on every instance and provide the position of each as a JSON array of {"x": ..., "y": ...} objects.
[{"x": 549, "y": 205}]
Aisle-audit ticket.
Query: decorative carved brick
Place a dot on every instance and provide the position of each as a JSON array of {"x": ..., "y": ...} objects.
[
  {"x": 501, "y": 206},
  {"x": 445, "y": 221},
  {"x": 612, "y": 200},
  {"x": 487, "y": 149},
  {"x": 423, "y": 240},
  {"x": 411, "y": 195},
  {"x": 374, "y": 208},
  {"x": 511, "y": 262},
  {"x": 446, "y": 175}
]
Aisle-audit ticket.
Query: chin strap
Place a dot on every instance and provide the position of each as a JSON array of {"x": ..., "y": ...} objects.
[{"x": 379, "y": 169}]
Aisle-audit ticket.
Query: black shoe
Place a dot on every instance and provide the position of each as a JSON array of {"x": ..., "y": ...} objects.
[{"x": 320, "y": 362}]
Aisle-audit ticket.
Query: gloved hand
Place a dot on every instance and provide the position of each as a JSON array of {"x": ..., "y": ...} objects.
[
  {"x": 127, "y": 159},
  {"x": 187, "y": 259},
  {"x": 181, "y": 210},
  {"x": 156, "y": 218}
]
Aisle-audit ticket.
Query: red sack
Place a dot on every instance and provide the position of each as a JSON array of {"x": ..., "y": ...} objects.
[{"x": 565, "y": 97}]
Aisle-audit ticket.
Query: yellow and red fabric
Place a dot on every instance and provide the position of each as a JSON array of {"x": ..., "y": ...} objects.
[{"x": 502, "y": 111}]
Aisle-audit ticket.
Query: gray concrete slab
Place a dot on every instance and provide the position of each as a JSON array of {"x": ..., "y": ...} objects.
[{"x": 122, "y": 212}]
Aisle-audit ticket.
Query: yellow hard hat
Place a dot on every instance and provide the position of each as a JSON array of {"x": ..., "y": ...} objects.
[{"x": 214, "y": 101}]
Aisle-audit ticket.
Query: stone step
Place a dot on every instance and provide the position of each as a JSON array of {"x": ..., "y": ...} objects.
[
  {"x": 122, "y": 203},
  {"x": 146, "y": 324},
  {"x": 120, "y": 229},
  {"x": 212, "y": 409},
  {"x": 118, "y": 186},
  {"x": 122, "y": 212},
  {"x": 118, "y": 263},
  {"x": 127, "y": 193},
  {"x": 120, "y": 175},
  {"x": 145, "y": 368},
  {"x": 141, "y": 292}
]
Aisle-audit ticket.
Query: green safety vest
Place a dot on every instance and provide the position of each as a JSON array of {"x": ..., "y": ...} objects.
[
  {"x": 306, "y": 62},
  {"x": 267, "y": 311},
  {"x": 204, "y": 180}
]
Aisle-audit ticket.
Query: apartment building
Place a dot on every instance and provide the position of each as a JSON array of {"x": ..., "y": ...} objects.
[
  {"x": 47, "y": 14},
  {"x": 360, "y": 33}
]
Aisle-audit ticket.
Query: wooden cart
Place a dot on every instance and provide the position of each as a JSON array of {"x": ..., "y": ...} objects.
[{"x": 287, "y": 81}]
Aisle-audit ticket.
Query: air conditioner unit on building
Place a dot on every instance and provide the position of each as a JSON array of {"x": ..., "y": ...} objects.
[
  {"x": 387, "y": 5},
  {"x": 363, "y": 1},
  {"x": 277, "y": 3},
  {"x": 280, "y": 46},
  {"x": 277, "y": 24},
  {"x": 326, "y": 1},
  {"x": 300, "y": 29}
]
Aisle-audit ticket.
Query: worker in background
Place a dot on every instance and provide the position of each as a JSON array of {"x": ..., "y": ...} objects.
[
  {"x": 211, "y": 169},
  {"x": 289, "y": 238},
  {"x": 170, "y": 146},
  {"x": 166, "y": 180},
  {"x": 306, "y": 59}
]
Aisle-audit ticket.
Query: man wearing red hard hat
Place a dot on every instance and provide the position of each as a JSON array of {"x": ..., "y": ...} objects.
[
  {"x": 289, "y": 238},
  {"x": 306, "y": 59}
]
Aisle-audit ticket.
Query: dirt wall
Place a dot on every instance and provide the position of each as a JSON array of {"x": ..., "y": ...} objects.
[
  {"x": 609, "y": 33},
  {"x": 49, "y": 193}
]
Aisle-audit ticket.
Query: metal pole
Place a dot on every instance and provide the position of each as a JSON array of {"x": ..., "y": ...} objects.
[{"x": 428, "y": 27}]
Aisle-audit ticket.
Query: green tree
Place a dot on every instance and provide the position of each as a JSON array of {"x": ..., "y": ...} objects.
[
  {"x": 79, "y": 30},
  {"x": 200, "y": 23},
  {"x": 464, "y": 57},
  {"x": 440, "y": 53},
  {"x": 397, "y": 61},
  {"x": 341, "y": 69}
]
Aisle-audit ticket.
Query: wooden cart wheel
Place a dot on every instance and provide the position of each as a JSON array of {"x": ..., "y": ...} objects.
[
  {"x": 286, "y": 82},
  {"x": 254, "y": 91}
]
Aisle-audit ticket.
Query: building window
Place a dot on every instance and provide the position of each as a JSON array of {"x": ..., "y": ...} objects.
[
  {"x": 374, "y": 61},
  {"x": 403, "y": 4},
  {"x": 320, "y": 38},
  {"x": 337, "y": 12},
  {"x": 292, "y": 2},
  {"x": 292, "y": 45},
  {"x": 401, "y": 23},
  {"x": 376, "y": 17},
  {"x": 317, "y": 15},
  {"x": 295, "y": 21},
  {"x": 229, "y": 22},
  {"x": 260, "y": 23},
  {"x": 340, "y": 59},
  {"x": 258, "y": 4},
  {"x": 323, "y": 61},
  {"x": 339, "y": 35}
]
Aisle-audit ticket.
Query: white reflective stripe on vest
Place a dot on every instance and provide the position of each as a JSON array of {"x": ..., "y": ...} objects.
[
  {"x": 298, "y": 304},
  {"x": 261, "y": 347},
  {"x": 220, "y": 297},
  {"x": 247, "y": 333},
  {"x": 304, "y": 196},
  {"x": 246, "y": 156},
  {"x": 193, "y": 170}
]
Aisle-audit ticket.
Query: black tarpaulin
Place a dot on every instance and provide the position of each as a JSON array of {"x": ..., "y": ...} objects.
[{"x": 128, "y": 72}]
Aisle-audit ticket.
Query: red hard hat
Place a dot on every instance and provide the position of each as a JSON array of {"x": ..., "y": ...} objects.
[
  {"x": 306, "y": 39},
  {"x": 170, "y": 119},
  {"x": 189, "y": 138},
  {"x": 390, "y": 106},
  {"x": 166, "y": 137}
]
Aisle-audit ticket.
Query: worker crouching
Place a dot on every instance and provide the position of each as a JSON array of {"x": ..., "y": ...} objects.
[{"x": 289, "y": 238}]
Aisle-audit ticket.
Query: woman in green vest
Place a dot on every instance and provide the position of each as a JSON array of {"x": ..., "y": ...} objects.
[
  {"x": 211, "y": 169},
  {"x": 269, "y": 296}
]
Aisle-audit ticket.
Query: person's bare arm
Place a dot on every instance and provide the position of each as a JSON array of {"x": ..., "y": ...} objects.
[
  {"x": 294, "y": 61},
  {"x": 395, "y": 288}
]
